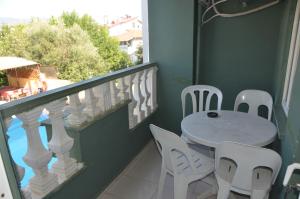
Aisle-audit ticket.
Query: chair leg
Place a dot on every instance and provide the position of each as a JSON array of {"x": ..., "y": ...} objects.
[
  {"x": 212, "y": 181},
  {"x": 162, "y": 178},
  {"x": 224, "y": 190},
  {"x": 180, "y": 188},
  {"x": 211, "y": 153}
]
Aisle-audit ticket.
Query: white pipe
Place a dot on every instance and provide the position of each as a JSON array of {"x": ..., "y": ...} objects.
[
  {"x": 235, "y": 14},
  {"x": 207, "y": 10},
  {"x": 245, "y": 12}
]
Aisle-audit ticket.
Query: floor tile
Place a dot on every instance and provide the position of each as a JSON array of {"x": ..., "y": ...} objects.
[
  {"x": 199, "y": 187},
  {"x": 140, "y": 180},
  {"x": 147, "y": 167},
  {"x": 130, "y": 188},
  {"x": 107, "y": 196},
  {"x": 168, "y": 193}
]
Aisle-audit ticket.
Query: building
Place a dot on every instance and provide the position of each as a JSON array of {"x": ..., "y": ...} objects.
[
  {"x": 128, "y": 30},
  {"x": 130, "y": 41},
  {"x": 123, "y": 24}
]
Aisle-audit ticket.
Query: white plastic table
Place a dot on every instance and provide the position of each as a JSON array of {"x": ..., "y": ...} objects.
[{"x": 229, "y": 126}]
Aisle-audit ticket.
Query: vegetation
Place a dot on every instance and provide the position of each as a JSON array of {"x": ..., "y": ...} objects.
[
  {"x": 139, "y": 55},
  {"x": 78, "y": 46}
]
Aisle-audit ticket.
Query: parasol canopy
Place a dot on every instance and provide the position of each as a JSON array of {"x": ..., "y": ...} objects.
[{"x": 15, "y": 62}]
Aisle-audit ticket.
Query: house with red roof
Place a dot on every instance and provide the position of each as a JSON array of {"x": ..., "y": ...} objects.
[{"x": 128, "y": 31}]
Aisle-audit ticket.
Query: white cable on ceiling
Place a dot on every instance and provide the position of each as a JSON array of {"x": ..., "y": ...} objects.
[
  {"x": 218, "y": 13},
  {"x": 208, "y": 9}
]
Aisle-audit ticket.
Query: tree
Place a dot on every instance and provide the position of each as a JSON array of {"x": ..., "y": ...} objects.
[
  {"x": 68, "y": 49},
  {"x": 108, "y": 47},
  {"x": 78, "y": 46},
  {"x": 14, "y": 40},
  {"x": 139, "y": 55}
]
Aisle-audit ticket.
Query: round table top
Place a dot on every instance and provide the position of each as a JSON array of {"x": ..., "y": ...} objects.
[{"x": 229, "y": 126}]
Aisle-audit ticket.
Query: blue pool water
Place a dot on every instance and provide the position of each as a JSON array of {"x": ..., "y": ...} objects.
[{"x": 18, "y": 145}]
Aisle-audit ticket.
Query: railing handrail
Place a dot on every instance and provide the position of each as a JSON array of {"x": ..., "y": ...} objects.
[{"x": 28, "y": 103}]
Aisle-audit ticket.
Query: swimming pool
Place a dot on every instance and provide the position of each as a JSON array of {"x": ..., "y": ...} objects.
[{"x": 18, "y": 145}]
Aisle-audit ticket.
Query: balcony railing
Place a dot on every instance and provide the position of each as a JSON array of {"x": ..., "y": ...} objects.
[{"x": 76, "y": 106}]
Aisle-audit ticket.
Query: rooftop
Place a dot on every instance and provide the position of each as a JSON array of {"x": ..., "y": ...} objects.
[
  {"x": 129, "y": 35},
  {"x": 123, "y": 20}
]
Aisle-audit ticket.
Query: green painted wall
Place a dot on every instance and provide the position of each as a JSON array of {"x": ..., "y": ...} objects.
[
  {"x": 171, "y": 32},
  {"x": 106, "y": 149},
  {"x": 240, "y": 53},
  {"x": 289, "y": 126}
]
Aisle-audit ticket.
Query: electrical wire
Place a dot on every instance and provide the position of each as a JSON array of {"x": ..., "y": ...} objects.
[
  {"x": 207, "y": 10},
  {"x": 218, "y": 13},
  {"x": 245, "y": 12}
]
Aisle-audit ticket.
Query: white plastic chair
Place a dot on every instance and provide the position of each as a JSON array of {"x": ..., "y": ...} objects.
[
  {"x": 245, "y": 169},
  {"x": 203, "y": 105},
  {"x": 185, "y": 164},
  {"x": 201, "y": 89},
  {"x": 254, "y": 98}
]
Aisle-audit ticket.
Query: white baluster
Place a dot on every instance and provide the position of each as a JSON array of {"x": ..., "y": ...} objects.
[
  {"x": 91, "y": 109},
  {"x": 37, "y": 157},
  {"x": 133, "y": 103},
  {"x": 149, "y": 87},
  {"x": 102, "y": 93},
  {"x": 138, "y": 97},
  {"x": 144, "y": 90},
  {"x": 128, "y": 82},
  {"x": 60, "y": 143},
  {"x": 20, "y": 170},
  {"x": 153, "y": 87},
  {"x": 99, "y": 95},
  {"x": 114, "y": 91},
  {"x": 76, "y": 118},
  {"x": 7, "y": 122},
  {"x": 123, "y": 88}
]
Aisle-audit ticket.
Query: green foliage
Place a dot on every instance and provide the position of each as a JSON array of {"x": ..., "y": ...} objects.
[
  {"x": 108, "y": 47},
  {"x": 78, "y": 46},
  {"x": 13, "y": 41},
  {"x": 139, "y": 55},
  {"x": 68, "y": 48},
  {"x": 3, "y": 79}
]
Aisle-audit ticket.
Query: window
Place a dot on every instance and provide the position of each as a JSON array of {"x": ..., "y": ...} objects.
[{"x": 292, "y": 61}]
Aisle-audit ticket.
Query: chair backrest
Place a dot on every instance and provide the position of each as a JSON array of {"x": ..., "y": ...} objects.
[
  {"x": 248, "y": 159},
  {"x": 254, "y": 98},
  {"x": 201, "y": 89},
  {"x": 171, "y": 147}
]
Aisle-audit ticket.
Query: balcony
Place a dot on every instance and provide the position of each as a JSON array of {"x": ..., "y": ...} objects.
[
  {"x": 97, "y": 130},
  {"x": 114, "y": 108}
]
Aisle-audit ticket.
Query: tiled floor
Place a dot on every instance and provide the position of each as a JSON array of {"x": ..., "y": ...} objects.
[{"x": 140, "y": 180}]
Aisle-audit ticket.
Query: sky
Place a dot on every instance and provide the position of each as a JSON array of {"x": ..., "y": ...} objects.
[{"x": 98, "y": 9}]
